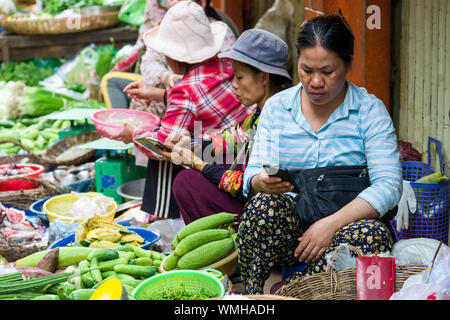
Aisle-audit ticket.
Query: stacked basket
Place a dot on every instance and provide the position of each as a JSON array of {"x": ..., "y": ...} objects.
[{"x": 431, "y": 219}]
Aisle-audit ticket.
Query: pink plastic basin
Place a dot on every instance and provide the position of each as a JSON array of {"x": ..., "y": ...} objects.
[{"x": 110, "y": 122}]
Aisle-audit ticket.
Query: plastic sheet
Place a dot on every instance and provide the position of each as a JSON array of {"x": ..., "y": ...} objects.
[
  {"x": 415, "y": 251},
  {"x": 431, "y": 284}
]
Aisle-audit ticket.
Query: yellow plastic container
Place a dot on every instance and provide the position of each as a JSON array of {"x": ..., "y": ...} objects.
[{"x": 59, "y": 207}]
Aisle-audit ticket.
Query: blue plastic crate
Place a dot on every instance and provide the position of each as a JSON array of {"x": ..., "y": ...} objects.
[{"x": 431, "y": 219}]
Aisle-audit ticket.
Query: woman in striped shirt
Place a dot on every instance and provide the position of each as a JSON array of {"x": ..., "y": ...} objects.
[{"x": 324, "y": 121}]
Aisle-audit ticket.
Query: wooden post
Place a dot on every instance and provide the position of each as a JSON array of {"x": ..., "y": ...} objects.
[
  {"x": 234, "y": 8},
  {"x": 370, "y": 21}
]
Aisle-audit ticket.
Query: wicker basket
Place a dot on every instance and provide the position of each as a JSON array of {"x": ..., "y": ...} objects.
[
  {"x": 14, "y": 250},
  {"x": 15, "y": 158},
  {"x": 339, "y": 285},
  {"x": 22, "y": 199},
  {"x": 50, "y": 157},
  {"x": 59, "y": 25}
]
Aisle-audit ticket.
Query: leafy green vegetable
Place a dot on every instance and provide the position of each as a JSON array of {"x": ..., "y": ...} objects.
[
  {"x": 55, "y": 7},
  {"x": 31, "y": 72},
  {"x": 105, "y": 59}
]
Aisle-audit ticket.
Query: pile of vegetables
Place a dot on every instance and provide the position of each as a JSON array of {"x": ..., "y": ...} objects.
[
  {"x": 30, "y": 72},
  {"x": 96, "y": 232},
  {"x": 54, "y": 7},
  {"x": 202, "y": 242},
  {"x": 35, "y": 134},
  {"x": 74, "y": 273},
  {"x": 19, "y": 100}
]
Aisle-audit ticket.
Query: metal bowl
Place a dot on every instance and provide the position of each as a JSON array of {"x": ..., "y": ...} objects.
[
  {"x": 86, "y": 11},
  {"x": 133, "y": 190}
]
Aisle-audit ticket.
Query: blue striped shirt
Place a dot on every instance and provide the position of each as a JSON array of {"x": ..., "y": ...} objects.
[{"x": 359, "y": 132}]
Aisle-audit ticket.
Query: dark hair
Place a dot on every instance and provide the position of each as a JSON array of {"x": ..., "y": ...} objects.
[
  {"x": 329, "y": 31},
  {"x": 276, "y": 81},
  {"x": 210, "y": 11}
]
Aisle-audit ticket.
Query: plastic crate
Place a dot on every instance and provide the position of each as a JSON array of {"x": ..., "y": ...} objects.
[{"x": 431, "y": 219}]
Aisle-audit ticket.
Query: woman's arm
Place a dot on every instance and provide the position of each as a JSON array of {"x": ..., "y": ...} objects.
[{"x": 316, "y": 239}]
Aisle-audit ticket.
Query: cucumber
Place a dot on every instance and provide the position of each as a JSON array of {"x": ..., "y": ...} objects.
[
  {"x": 136, "y": 271},
  {"x": 155, "y": 255},
  {"x": 47, "y": 297},
  {"x": 107, "y": 274},
  {"x": 209, "y": 222},
  {"x": 81, "y": 294},
  {"x": 197, "y": 239},
  {"x": 128, "y": 280},
  {"x": 171, "y": 261},
  {"x": 103, "y": 254},
  {"x": 86, "y": 275},
  {"x": 109, "y": 264},
  {"x": 95, "y": 271},
  {"x": 206, "y": 254},
  {"x": 141, "y": 261},
  {"x": 127, "y": 255},
  {"x": 64, "y": 290},
  {"x": 141, "y": 253},
  {"x": 157, "y": 263},
  {"x": 67, "y": 256},
  {"x": 98, "y": 284}
]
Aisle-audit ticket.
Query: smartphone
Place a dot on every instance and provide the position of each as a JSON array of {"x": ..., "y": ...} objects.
[
  {"x": 151, "y": 143},
  {"x": 281, "y": 173}
]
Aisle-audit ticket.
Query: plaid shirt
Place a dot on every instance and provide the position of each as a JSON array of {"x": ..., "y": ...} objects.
[{"x": 205, "y": 95}]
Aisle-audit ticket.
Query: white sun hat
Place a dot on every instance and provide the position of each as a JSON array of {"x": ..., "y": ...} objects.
[{"x": 186, "y": 35}]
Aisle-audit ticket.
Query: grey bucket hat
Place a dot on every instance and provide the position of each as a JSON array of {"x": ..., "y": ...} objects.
[{"x": 262, "y": 50}]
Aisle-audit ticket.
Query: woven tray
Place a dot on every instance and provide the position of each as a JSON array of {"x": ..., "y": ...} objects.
[
  {"x": 50, "y": 157},
  {"x": 22, "y": 199},
  {"x": 59, "y": 25},
  {"x": 339, "y": 285}
]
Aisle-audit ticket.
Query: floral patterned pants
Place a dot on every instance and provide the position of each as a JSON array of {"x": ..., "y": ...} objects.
[{"x": 268, "y": 233}]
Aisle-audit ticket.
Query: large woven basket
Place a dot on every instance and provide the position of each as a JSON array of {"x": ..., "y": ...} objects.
[
  {"x": 22, "y": 199},
  {"x": 14, "y": 250},
  {"x": 339, "y": 285},
  {"x": 59, "y": 25},
  {"x": 50, "y": 157},
  {"x": 15, "y": 158}
]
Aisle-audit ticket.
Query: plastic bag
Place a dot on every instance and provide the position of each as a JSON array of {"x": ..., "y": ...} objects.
[
  {"x": 415, "y": 251},
  {"x": 84, "y": 63},
  {"x": 86, "y": 207},
  {"x": 341, "y": 258},
  {"x": 431, "y": 284},
  {"x": 133, "y": 12},
  {"x": 61, "y": 72},
  {"x": 168, "y": 229},
  {"x": 58, "y": 229}
]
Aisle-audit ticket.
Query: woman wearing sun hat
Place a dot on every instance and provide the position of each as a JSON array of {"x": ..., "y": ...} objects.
[
  {"x": 204, "y": 95},
  {"x": 259, "y": 60}
]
